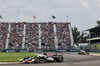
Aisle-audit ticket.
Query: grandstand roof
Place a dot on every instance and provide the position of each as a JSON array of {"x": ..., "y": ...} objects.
[
  {"x": 96, "y": 38},
  {"x": 92, "y": 28}
]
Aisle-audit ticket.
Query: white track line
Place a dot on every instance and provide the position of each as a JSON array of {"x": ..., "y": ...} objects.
[
  {"x": 94, "y": 54},
  {"x": 3, "y": 63}
]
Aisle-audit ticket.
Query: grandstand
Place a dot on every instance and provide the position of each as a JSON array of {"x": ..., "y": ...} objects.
[
  {"x": 23, "y": 35},
  {"x": 94, "y": 40}
]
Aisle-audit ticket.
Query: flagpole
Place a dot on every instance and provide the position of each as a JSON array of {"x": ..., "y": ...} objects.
[
  {"x": 0, "y": 20},
  {"x": 18, "y": 16},
  {"x": 33, "y": 19},
  {"x": 67, "y": 18},
  {"x": 52, "y": 19},
  {"x": 16, "y": 19}
]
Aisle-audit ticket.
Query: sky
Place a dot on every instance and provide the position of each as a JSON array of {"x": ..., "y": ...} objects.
[{"x": 82, "y": 14}]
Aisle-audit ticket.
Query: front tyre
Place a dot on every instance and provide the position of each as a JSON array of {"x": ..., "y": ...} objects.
[
  {"x": 37, "y": 60},
  {"x": 26, "y": 57},
  {"x": 87, "y": 53}
]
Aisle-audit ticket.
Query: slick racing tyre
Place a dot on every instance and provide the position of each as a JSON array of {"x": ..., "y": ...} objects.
[
  {"x": 60, "y": 59},
  {"x": 79, "y": 53},
  {"x": 26, "y": 57},
  {"x": 87, "y": 53},
  {"x": 37, "y": 60},
  {"x": 45, "y": 61}
]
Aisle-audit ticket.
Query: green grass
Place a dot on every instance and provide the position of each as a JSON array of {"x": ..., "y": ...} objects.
[
  {"x": 95, "y": 52},
  {"x": 14, "y": 57}
]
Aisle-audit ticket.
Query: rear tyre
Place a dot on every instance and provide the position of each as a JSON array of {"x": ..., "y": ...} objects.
[
  {"x": 45, "y": 61},
  {"x": 37, "y": 60},
  {"x": 60, "y": 59},
  {"x": 79, "y": 53}
]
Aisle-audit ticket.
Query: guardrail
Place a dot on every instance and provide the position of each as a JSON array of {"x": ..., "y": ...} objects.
[{"x": 39, "y": 50}]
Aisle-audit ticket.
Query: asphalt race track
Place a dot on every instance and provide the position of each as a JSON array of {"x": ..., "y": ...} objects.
[{"x": 70, "y": 59}]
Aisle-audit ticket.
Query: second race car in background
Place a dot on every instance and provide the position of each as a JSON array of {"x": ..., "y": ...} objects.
[{"x": 83, "y": 52}]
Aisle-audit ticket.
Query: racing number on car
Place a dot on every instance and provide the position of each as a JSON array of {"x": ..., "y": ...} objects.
[{"x": 50, "y": 58}]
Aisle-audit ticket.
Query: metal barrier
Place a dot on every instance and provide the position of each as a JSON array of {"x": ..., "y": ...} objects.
[{"x": 39, "y": 50}]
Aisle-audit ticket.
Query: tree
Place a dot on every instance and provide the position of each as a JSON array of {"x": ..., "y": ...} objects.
[
  {"x": 98, "y": 22},
  {"x": 83, "y": 37},
  {"x": 78, "y": 36}
]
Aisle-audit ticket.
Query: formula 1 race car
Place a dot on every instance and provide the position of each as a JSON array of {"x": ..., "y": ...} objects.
[
  {"x": 46, "y": 58},
  {"x": 83, "y": 52}
]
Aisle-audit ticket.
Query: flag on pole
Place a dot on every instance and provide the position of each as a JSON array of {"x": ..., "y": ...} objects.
[
  {"x": 0, "y": 16},
  {"x": 34, "y": 16},
  {"x": 53, "y": 17}
]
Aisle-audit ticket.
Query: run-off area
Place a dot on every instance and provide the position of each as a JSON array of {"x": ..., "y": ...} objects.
[{"x": 70, "y": 59}]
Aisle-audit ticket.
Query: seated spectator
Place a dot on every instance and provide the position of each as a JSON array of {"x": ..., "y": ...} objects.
[
  {"x": 32, "y": 35},
  {"x": 63, "y": 35},
  {"x": 3, "y": 34},
  {"x": 47, "y": 35},
  {"x": 16, "y": 35}
]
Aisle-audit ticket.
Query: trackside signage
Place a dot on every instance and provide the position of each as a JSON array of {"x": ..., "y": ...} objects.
[
  {"x": 0, "y": 50},
  {"x": 39, "y": 50},
  {"x": 10, "y": 50}
]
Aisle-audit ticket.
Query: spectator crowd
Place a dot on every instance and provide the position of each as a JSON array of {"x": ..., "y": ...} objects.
[
  {"x": 3, "y": 34},
  {"x": 16, "y": 35},
  {"x": 32, "y": 35},
  {"x": 63, "y": 35},
  {"x": 47, "y": 35}
]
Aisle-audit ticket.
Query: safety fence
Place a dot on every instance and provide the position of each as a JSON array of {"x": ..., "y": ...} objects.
[{"x": 39, "y": 50}]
